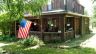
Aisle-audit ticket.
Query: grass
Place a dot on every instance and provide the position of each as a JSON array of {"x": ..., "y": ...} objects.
[
  {"x": 73, "y": 42},
  {"x": 78, "y": 41},
  {"x": 18, "y": 49},
  {"x": 15, "y": 49}
]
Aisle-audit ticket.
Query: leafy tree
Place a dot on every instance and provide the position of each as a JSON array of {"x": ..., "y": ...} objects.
[
  {"x": 15, "y": 9},
  {"x": 85, "y": 12},
  {"x": 94, "y": 14}
]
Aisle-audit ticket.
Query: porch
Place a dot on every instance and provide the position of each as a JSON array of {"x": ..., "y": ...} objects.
[{"x": 56, "y": 26}]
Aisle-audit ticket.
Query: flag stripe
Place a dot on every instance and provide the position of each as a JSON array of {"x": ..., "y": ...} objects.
[
  {"x": 27, "y": 29},
  {"x": 23, "y": 32}
]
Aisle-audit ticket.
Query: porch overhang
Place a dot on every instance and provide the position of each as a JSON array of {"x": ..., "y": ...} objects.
[{"x": 63, "y": 12}]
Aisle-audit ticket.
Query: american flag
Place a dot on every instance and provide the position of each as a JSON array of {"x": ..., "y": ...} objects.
[{"x": 24, "y": 28}]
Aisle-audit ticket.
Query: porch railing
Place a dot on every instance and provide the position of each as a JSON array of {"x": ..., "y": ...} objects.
[{"x": 66, "y": 5}]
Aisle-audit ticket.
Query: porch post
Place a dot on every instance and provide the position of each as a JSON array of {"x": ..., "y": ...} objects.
[
  {"x": 41, "y": 19},
  {"x": 64, "y": 27},
  {"x": 61, "y": 25}
]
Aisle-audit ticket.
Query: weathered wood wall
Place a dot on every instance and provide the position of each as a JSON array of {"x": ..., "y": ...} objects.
[{"x": 85, "y": 25}]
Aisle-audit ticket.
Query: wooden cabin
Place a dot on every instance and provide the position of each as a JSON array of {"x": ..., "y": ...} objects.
[{"x": 60, "y": 20}]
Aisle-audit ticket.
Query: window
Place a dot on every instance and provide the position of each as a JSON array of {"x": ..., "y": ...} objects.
[
  {"x": 51, "y": 25},
  {"x": 35, "y": 25},
  {"x": 68, "y": 25}
]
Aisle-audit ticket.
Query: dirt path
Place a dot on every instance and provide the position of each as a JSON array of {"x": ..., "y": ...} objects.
[
  {"x": 3, "y": 44},
  {"x": 91, "y": 42}
]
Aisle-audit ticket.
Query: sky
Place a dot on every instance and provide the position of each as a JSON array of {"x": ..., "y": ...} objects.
[{"x": 88, "y": 6}]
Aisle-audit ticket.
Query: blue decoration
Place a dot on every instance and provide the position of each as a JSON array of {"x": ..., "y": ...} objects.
[{"x": 23, "y": 23}]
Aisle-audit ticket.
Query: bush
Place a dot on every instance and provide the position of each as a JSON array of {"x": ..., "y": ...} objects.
[
  {"x": 8, "y": 38},
  {"x": 31, "y": 41}
]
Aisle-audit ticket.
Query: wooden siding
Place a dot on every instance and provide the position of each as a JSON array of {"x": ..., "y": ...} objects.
[
  {"x": 49, "y": 36},
  {"x": 77, "y": 26},
  {"x": 58, "y": 4},
  {"x": 85, "y": 25}
]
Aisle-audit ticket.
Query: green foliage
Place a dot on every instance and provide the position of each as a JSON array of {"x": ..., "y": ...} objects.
[
  {"x": 8, "y": 38},
  {"x": 14, "y": 49},
  {"x": 94, "y": 1},
  {"x": 14, "y": 10},
  {"x": 5, "y": 24},
  {"x": 31, "y": 41},
  {"x": 94, "y": 13},
  {"x": 93, "y": 20},
  {"x": 17, "y": 8},
  {"x": 18, "y": 49}
]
